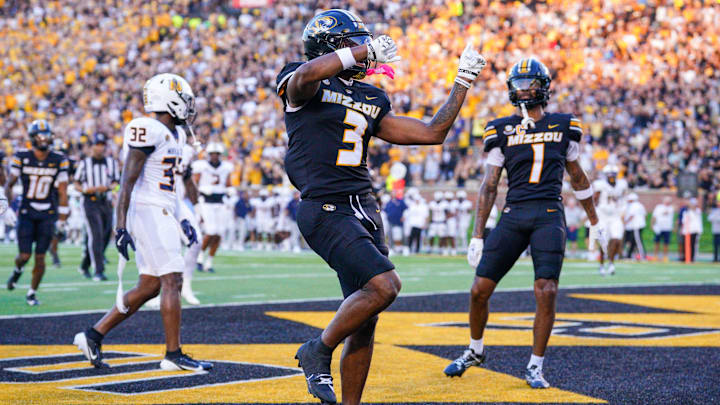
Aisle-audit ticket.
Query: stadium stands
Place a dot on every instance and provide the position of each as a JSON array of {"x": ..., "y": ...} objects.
[{"x": 643, "y": 76}]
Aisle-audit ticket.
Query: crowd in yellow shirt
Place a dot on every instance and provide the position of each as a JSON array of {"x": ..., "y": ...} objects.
[{"x": 643, "y": 76}]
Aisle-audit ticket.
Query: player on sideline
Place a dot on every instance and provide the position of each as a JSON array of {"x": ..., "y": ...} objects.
[
  {"x": 43, "y": 172},
  {"x": 535, "y": 148},
  {"x": 146, "y": 212},
  {"x": 330, "y": 117},
  {"x": 213, "y": 179},
  {"x": 610, "y": 199}
]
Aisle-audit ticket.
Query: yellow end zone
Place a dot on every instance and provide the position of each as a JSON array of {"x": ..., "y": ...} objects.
[{"x": 419, "y": 380}]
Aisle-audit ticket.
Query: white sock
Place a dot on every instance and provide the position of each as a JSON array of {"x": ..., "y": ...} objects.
[
  {"x": 536, "y": 361},
  {"x": 191, "y": 259},
  {"x": 208, "y": 262},
  {"x": 30, "y": 291},
  {"x": 476, "y": 345},
  {"x": 200, "y": 256}
]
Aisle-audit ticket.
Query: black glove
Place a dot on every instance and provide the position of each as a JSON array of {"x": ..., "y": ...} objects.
[
  {"x": 122, "y": 240},
  {"x": 189, "y": 231}
]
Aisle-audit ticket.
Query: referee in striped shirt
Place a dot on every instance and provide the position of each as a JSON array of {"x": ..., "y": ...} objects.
[{"x": 96, "y": 175}]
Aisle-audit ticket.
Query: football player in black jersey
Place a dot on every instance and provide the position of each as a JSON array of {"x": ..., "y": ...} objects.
[
  {"x": 330, "y": 117},
  {"x": 44, "y": 177},
  {"x": 535, "y": 148}
]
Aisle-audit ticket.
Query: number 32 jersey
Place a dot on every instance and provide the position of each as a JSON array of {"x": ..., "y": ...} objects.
[
  {"x": 534, "y": 158},
  {"x": 156, "y": 184},
  {"x": 329, "y": 135}
]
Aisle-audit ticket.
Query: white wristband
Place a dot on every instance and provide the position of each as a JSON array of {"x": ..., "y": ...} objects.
[
  {"x": 346, "y": 57},
  {"x": 462, "y": 82},
  {"x": 584, "y": 194},
  {"x": 63, "y": 210}
]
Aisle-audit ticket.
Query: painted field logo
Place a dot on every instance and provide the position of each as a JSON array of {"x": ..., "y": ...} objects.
[{"x": 131, "y": 373}]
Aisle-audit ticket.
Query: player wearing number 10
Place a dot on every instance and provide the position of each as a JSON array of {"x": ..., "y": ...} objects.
[
  {"x": 536, "y": 148},
  {"x": 44, "y": 176},
  {"x": 330, "y": 117}
]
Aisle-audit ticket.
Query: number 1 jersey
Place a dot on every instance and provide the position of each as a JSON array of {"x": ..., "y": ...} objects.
[
  {"x": 534, "y": 158},
  {"x": 156, "y": 184},
  {"x": 329, "y": 135}
]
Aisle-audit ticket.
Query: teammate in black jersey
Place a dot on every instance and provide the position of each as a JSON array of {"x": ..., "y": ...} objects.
[
  {"x": 330, "y": 117},
  {"x": 535, "y": 148},
  {"x": 44, "y": 178}
]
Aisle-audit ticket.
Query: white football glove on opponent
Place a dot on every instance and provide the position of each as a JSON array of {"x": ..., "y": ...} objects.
[
  {"x": 383, "y": 50},
  {"x": 599, "y": 234},
  {"x": 474, "y": 252},
  {"x": 470, "y": 66}
]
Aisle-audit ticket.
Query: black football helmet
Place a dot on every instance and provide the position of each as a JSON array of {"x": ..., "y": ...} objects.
[
  {"x": 529, "y": 74},
  {"x": 40, "y": 135},
  {"x": 335, "y": 29}
]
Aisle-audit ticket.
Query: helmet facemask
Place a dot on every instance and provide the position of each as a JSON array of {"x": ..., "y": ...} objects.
[
  {"x": 528, "y": 90},
  {"x": 41, "y": 140}
]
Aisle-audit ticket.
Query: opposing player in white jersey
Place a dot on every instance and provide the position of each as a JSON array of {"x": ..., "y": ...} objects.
[
  {"x": 610, "y": 200},
  {"x": 451, "y": 211},
  {"x": 438, "y": 226},
  {"x": 149, "y": 218},
  {"x": 188, "y": 193},
  {"x": 213, "y": 179},
  {"x": 464, "y": 215},
  {"x": 264, "y": 221}
]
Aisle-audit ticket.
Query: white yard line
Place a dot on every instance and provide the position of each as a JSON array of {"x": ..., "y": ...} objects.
[{"x": 416, "y": 294}]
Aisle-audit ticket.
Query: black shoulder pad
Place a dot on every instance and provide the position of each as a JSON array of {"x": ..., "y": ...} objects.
[
  {"x": 285, "y": 75},
  {"x": 492, "y": 135},
  {"x": 575, "y": 128}
]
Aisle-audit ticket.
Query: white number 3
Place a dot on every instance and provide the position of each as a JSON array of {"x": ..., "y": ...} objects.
[{"x": 352, "y": 157}]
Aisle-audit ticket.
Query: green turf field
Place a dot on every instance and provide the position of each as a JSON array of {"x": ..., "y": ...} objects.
[{"x": 268, "y": 277}]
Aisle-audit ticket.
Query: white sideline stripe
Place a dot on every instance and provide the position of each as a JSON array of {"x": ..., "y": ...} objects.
[
  {"x": 415, "y": 273},
  {"x": 337, "y": 298}
]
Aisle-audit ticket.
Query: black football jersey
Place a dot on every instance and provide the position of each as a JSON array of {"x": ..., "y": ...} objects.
[
  {"x": 534, "y": 158},
  {"x": 329, "y": 136},
  {"x": 39, "y": 178}
]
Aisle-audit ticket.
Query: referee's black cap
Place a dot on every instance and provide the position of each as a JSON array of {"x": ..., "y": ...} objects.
[{"x": 99, "y": 138}]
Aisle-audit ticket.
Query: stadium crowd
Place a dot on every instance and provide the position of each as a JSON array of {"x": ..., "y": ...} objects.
[{"x": 643, "y": 76}]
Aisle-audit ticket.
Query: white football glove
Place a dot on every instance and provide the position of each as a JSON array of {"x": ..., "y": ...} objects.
[
  {"x": 383, "y": 50},
  {"x": 474, "y": 252},
  {"x": 470, "y": 66},
  {"x": 10, "y": 218},
  {"x": 599, "y": 234}
]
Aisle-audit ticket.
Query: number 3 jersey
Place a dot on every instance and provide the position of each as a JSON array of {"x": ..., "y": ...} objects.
[
  {"x": 156, "y": 184},
  {"x": 534, "y": 158},
  {"x": 39, "y": 179},
  {"x": 329, "y": 135}
]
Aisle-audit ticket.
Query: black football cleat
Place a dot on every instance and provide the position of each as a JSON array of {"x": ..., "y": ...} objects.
[
  {"x": 84, "y": 272},
  {"x": 316, "y": 367},
  {"x": 91, "y": 349},
  {"x": 184, "y": 362},
  {"x": 14, "y": 277},
  {"x": 32, "y": 300},
  {"x": 462, "y": 363},
  {"x": 99, "y": 277}
]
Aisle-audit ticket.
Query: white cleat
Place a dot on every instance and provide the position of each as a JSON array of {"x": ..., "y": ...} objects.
[
  {"x": 611, "y": 269},
  {"x": 188, "y": 295}
]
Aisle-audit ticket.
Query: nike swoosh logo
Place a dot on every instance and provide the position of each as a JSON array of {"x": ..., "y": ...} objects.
[
  {"x": 552, "y": 126},
  {"x": 551, "y": 210},
  {"x": 92, "y": 356},
  {"x": 370, "y": 98}
]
